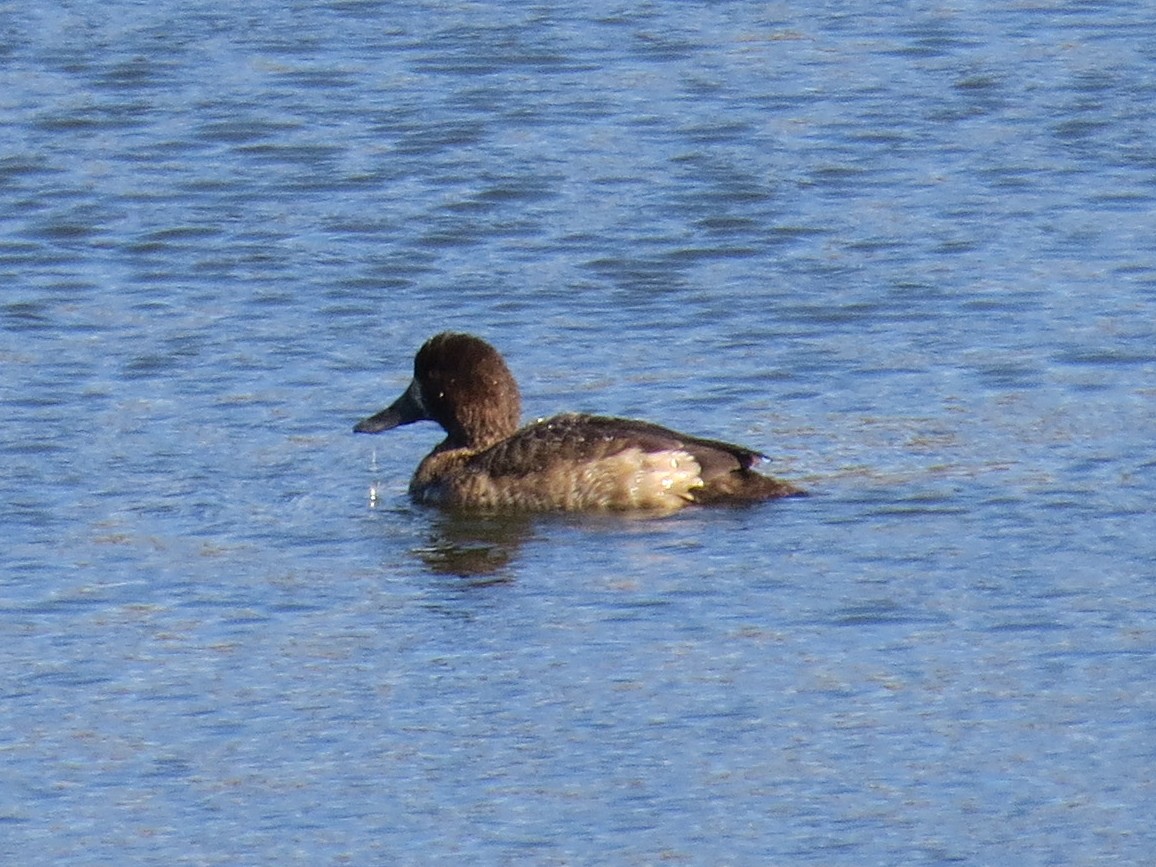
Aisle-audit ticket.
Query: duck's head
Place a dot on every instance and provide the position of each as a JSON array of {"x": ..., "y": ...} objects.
[{"x": 462, "y": 383}]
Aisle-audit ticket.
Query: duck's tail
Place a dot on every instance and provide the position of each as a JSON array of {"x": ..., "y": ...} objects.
[{"x": 744, "y": 486}]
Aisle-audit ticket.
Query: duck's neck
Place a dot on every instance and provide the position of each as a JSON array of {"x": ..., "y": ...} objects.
[{"x": 478, "y": 435}]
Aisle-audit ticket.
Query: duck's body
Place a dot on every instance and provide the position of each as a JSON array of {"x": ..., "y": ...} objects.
[{"x": 570, "y": 462}]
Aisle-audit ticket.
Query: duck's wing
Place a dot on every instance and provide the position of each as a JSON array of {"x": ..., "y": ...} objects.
[
  {"x": 714, "y": 456},
  {"x": 576, "y": 439}
]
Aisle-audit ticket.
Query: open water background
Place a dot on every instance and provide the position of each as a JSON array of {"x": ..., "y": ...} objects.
[{"x": 906, "y": 249}]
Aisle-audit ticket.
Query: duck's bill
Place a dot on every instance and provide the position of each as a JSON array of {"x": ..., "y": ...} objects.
[{"x": 405, "y": 410}]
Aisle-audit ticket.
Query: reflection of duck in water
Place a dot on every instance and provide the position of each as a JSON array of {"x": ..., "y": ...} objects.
[
  {"x": 475, "y": 546},
  {"x": 568, "y": 462}
]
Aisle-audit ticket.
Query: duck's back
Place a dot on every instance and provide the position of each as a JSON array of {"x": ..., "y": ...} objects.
[{"x": 579, "y": 462}]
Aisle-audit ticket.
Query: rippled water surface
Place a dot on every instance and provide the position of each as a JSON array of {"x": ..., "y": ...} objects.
[{"x": 907, "y": 251}]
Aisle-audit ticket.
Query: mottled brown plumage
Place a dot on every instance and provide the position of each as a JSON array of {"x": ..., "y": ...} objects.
[{"x": 568, "y": 462}]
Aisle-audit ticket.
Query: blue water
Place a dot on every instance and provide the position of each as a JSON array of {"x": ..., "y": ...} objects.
[{"x": 907, "y": 252}]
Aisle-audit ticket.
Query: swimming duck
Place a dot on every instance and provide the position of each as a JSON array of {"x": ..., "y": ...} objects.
[{"x": 570, "y": 462}]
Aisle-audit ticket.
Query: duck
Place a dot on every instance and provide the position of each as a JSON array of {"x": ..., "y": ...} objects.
[{"x": 571, "y": 462}]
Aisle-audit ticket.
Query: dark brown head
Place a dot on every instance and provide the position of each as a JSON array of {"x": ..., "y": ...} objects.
[{"x": 463, "y": 384}]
